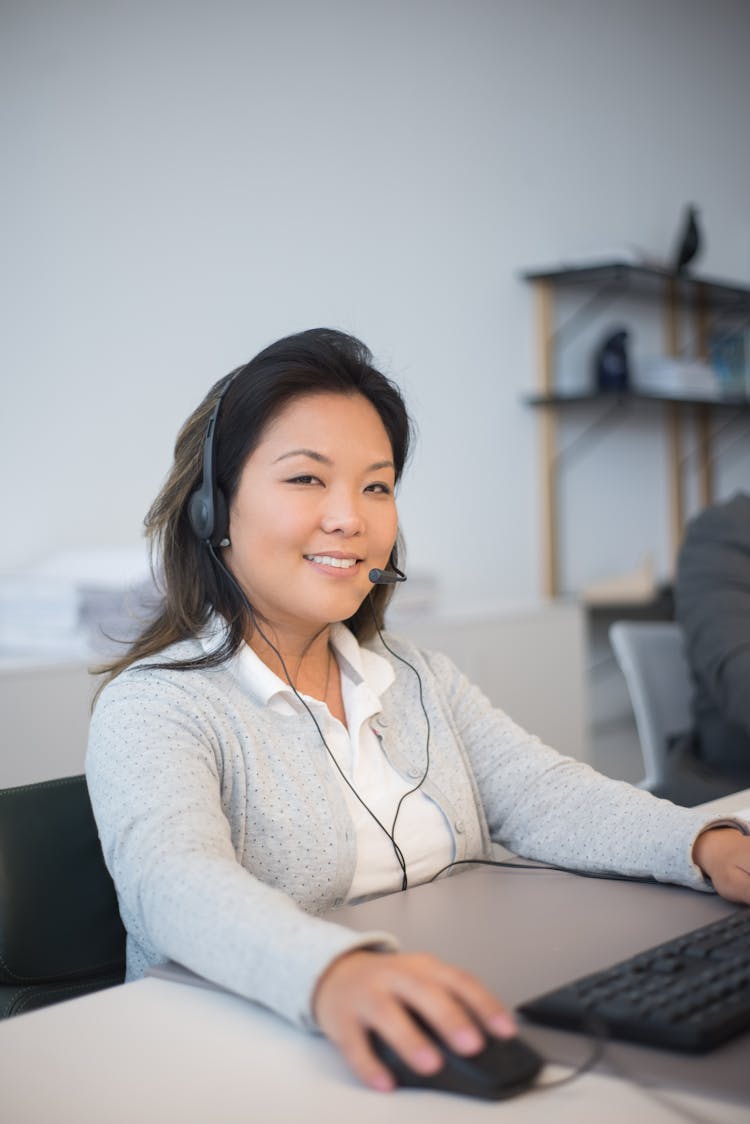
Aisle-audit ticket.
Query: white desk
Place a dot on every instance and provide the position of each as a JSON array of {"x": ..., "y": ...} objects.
[{"x": 156, "y": 1052}]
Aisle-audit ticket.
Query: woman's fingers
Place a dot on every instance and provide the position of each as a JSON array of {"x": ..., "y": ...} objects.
[
  {"x": 367, "y": 991},
  {"x": 723, "y": 853},
  {"x": 359, "y": 993},
  {"x": 358, "y": 1054},
  {"x": 455, "y": 1004},
  {"x": 394, "y": 1024}
]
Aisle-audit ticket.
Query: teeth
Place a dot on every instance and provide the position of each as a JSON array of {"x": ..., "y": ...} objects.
[{"x": 325, "y": 560}]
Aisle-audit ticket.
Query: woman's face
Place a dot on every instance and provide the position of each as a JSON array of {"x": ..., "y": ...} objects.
[{"x": 314, "y": 511}]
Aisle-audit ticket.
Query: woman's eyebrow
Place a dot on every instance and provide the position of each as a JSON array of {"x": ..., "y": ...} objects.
[
  {"x": 322, "y": 459},
  {"x": 305, "y": 453}
]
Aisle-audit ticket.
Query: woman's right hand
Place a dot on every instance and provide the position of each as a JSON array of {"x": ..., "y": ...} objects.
[{"x": 364, "y": 991}]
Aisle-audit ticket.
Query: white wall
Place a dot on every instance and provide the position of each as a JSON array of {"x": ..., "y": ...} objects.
[{"x": 186, "y": 181}]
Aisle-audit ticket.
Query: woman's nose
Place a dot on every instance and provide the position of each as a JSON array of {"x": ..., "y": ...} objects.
[{"x": 342, "y": 513}]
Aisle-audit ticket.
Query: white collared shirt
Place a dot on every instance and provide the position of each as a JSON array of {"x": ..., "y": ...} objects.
[{"x": 422, "y": 831}]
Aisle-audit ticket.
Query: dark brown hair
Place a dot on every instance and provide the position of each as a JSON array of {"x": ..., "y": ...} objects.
[{"x": 193, "y": 584}]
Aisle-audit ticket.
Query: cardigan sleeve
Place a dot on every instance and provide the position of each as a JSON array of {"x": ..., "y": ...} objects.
[
  {"x": 552, "y": 808},
  {"x": 153, "y": 771}
]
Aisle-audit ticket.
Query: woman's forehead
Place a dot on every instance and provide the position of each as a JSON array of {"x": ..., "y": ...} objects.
[{"x": 330, "y": 420}]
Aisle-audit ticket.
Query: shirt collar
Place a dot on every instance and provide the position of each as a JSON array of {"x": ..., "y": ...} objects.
[{"x": 361, "y": 666}]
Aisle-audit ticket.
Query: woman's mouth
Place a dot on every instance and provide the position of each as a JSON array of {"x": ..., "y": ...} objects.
[{"x": 329, "y": 560}]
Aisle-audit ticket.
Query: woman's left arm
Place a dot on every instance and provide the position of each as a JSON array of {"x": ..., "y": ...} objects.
[{"x": 552, "y": 808}]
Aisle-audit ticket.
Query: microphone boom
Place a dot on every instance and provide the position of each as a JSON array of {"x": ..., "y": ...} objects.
[{"x": 386, "y": 577}]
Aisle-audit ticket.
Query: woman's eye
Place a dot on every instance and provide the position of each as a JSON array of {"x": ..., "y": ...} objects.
[
  {"x": 304, "y": 478},
  {"x": 379, "y": 489}
]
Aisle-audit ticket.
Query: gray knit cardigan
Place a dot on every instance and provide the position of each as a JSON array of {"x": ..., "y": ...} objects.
[{"x": 227, "y": 833}]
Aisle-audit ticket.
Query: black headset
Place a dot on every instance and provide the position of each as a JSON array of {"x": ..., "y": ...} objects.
[
  {"x": 208, "y": 514},
  {"x": 207, "y": 507}
]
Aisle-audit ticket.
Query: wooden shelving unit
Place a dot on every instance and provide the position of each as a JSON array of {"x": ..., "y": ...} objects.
[{"x": 700, "y": 300}]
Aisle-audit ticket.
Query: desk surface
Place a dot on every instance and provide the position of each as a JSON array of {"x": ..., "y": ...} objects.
[
  {"x": 160, "y": 1052},
  {"x": 156, "y": 1052},
  {"x": 526, "y": 931}
]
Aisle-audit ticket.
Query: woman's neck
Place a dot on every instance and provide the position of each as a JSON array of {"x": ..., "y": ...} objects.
[
  {"x": 304, "y": 659},
  {"x": 308, "y": 662}
]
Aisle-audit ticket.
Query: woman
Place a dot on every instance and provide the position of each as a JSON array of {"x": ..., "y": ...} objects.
[{"x": 263, "y": 753}]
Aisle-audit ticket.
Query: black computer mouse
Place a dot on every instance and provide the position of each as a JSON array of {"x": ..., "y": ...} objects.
[{"x": 505, "y": 1067}]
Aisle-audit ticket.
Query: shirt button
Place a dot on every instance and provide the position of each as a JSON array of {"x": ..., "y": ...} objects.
[
  {"x": 338, "y": 901},
  {"x": 414, "y": 773},
  {"x": 381, "y": 721},
  {"x": 459, "y": 826}
]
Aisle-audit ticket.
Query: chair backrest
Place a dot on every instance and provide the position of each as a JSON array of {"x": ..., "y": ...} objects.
[
  {"x": 60, "y": 928},
  {"x": 652, "y": 660}
]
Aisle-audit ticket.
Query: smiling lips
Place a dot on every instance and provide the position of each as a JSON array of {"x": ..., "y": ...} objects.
[{"x": 329, "y": 560}]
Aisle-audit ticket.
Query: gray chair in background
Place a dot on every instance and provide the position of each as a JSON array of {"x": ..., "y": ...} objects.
[{"x": 652, "y": 659}]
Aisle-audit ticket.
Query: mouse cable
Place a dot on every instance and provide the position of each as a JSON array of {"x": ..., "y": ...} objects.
[
  {"x": 596, "y": 1032},
  {"x": 657, "y": 1094},
  {"x": 513, "y": 864}
]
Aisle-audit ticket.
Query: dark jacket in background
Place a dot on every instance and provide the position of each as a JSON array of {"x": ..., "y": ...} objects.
[{"x": 712, "y": 604}]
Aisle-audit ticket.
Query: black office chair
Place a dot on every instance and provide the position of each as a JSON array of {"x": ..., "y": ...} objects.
[{"x": 60, "y": 928}]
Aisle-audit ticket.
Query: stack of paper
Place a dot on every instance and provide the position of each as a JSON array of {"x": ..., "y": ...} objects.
[
  {"x": 77, "y": 603},
  {"x": 675, "y": 378},
  {"x": 38, "y": 613}
]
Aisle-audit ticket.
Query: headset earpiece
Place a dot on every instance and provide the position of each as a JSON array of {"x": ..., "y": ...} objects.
[
  {"x": 200, "y": 514},
  {"x": 207, "y": 506},
  {"x": 220, "y": 537},
  {"x": 208, "y": 515}
]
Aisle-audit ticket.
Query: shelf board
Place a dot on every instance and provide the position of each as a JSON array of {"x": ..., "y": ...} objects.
[
  {"x": 622, "y": 397},
  {"x": 658, "y": 607},
  {"x": 649, "y": 280}
]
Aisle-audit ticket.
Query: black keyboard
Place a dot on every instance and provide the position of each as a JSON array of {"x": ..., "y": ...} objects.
[{"x": 690, "y": 993}]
